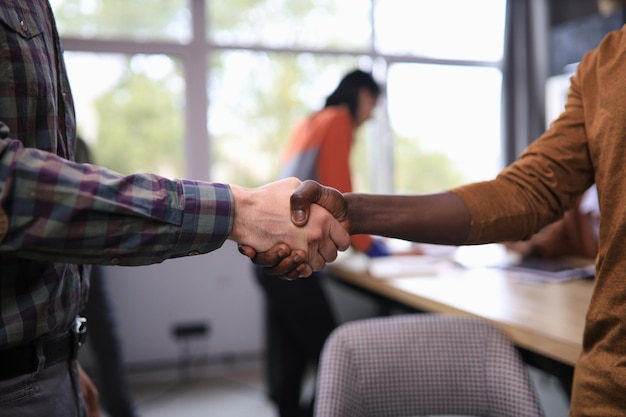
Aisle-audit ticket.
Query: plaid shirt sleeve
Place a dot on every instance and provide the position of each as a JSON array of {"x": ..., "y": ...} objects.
[{"x": 57, "y": 210}]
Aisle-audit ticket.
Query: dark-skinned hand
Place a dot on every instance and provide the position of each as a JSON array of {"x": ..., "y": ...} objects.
[{"x": 280, "y": 259}]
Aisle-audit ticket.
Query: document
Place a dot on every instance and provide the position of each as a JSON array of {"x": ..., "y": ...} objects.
[
  {"x": 403, "y": 266},
  {"x": 552, "y": 269}
]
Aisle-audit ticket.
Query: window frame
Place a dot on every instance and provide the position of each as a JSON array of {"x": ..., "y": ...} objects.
[{"x": 195, "y": 56}]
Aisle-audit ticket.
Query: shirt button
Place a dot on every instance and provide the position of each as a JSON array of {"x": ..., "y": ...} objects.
[
  {"x": 23, "y": 26},
  {"x": 194, "y": 253},
  {"x": 115, "y": 261},
  {"x": 4, "y": 130}
]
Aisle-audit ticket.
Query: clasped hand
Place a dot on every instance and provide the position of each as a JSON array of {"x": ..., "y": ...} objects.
[{"x": 277, "y": 226}]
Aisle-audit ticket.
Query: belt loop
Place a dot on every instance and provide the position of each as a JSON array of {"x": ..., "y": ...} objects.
[{"x": 79, "y": 332}]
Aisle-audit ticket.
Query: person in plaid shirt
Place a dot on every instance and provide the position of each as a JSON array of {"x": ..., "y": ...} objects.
[{"x": 56, "y": 216}]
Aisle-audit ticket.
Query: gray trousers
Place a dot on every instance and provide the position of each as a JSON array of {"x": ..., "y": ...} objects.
[{"x": 51, "y": 392}]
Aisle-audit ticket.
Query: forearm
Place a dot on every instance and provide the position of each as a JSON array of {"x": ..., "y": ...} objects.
[
  {"x": 439, "y": 218},
  {"x": 62, "y": 211}
]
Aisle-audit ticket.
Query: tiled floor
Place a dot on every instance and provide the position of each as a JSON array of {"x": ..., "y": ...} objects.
[
  {"x": 229, "y": 390},
  {"x": 240, "y": 392},
  {"x": 235, "y": 395}
]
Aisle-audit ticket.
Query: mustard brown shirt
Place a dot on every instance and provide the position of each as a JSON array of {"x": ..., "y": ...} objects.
[{"x": 586, "y": 143}]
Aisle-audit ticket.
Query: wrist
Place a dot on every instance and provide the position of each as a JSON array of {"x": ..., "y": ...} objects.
[
  {"x": 353, "y": 214},
  {"x": 241, "y": 202}
]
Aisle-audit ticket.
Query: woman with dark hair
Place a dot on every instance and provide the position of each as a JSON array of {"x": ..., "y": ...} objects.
[
  {"x": 298, "y": 315},
  {"x": 319, "y": 146},
  {"x": 349, "y": 91}
]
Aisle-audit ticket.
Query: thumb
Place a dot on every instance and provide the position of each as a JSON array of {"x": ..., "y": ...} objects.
[
  {"x": 310, "y": 192},
  {"x": 307, "y": 193}
]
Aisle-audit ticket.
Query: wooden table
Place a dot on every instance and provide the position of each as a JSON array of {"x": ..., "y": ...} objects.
[{"x": 544, "y": 319}]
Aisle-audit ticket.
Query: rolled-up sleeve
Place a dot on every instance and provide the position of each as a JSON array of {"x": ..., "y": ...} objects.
[{"x": 543, "y": 183}]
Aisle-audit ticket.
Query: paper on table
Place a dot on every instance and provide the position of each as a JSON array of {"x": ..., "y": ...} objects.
[
  {"x": 403, "y": 266},
  {"x": 538, "y": 269}
]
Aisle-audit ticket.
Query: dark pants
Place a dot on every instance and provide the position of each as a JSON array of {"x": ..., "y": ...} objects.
[
  {"x": 52, "y": 392},
  {"x": 298, "y": 319}
]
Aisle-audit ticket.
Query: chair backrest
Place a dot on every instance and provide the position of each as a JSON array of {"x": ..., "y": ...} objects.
[{"x": 422, "y": 364}]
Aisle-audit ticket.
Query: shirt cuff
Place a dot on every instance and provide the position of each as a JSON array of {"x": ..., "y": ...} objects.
[{"x": 207, "y": 217}]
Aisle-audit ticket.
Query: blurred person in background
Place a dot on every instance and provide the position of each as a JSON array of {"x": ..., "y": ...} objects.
[{"x": 298, "y": 314}]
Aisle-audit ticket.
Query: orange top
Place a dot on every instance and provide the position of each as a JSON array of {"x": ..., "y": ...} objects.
[{"x": 319, "y": 149}]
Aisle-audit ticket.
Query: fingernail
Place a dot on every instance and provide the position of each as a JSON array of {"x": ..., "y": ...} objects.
[
  {"x": 297, "y": 259},
  {"x": 298, "y": 215}
]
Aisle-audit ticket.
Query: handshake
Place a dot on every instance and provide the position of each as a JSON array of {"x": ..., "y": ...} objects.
[
  {"x": 295, "y": 228},
  {"x": 278, "y": 226}
]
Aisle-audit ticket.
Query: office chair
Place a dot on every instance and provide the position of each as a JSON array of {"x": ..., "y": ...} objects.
[{"x": 422, "y": 364}]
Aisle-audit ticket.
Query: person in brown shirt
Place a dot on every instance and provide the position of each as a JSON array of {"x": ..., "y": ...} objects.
[{"x": 585, "y": 144}]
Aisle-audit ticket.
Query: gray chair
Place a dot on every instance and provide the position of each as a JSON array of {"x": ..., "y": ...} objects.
[{"x": 422, "y": 365}]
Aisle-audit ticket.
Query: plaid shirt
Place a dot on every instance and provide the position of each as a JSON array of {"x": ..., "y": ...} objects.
[{"x": 56, "y": 214}]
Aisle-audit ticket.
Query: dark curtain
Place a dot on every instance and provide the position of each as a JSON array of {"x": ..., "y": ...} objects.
[{"x": 526, "y": 69}]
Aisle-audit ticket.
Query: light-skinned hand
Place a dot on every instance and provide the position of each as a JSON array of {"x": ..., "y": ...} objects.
[
  {"x": 280, "y": 259},
  {"x": 263, "y": 219}
]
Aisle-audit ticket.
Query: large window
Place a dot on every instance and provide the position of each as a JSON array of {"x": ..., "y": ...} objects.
[
  {"x": 130, "y": 110},
  {"x": 210, "y": 89},
  {"x": 255, "y": 99},
  {"x": 150, "y": 20},
  {"x": 343, "y": 24},
  {"x": 446, "y": 29},
  {"x": 446, "y": 123}
]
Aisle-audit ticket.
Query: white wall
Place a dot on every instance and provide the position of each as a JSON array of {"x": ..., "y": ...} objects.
[{"x": 218, "y": 288}]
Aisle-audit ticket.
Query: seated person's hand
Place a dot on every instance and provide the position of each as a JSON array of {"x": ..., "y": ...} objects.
[{"x": 522, "y": 247}]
